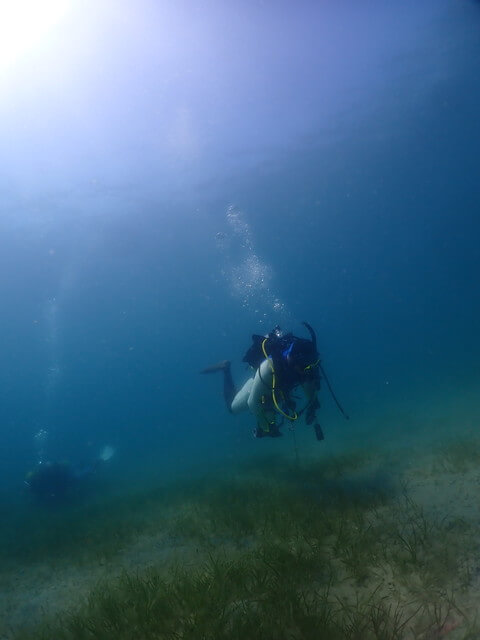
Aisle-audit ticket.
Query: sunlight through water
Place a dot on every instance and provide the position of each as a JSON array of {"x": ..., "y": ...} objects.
[{"x": 26, "y": 23}]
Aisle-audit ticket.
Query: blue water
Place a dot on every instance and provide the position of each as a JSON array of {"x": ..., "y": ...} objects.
[{"x": 177, "y": 177}]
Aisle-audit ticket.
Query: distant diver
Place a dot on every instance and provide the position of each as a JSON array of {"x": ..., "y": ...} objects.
[
  {"x": 55, "y": 482},
  {"x": 282, "y": 362}
]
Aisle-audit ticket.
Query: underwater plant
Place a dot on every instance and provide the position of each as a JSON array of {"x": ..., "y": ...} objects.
[{"x": 317, "y": 551}]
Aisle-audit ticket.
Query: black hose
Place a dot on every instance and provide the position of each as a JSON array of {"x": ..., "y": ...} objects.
[
  {"x": 313, "y": 336},
  {"x": 314, "y": 343},
  {"x": 332, "y": 392}
]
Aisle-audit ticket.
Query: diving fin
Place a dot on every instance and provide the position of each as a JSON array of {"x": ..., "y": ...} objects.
[
  {"x": 318, "y": 432},
  {"x": 223, "y": 365}
]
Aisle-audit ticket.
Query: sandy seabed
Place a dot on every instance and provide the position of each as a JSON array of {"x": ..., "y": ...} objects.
[{"x": 441, "y": 483}]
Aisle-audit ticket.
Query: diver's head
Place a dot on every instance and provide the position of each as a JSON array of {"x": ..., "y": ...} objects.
[{"x": 276, "y": 332}]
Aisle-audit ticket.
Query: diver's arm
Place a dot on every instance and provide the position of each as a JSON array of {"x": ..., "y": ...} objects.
[{"x": 310, "y": 389}]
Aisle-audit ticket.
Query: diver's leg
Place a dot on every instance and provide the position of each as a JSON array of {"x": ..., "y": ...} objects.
[
  {"x": 228, "y": 385},
  {"x": 262, "y": 386},
  {"x": 259, "y": 401},
  {"x": 240, "y": 401}
]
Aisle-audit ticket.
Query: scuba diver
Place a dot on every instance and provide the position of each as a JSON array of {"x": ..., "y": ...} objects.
[
  {"x": 282, "y": 362},
  {"x": 55, "y": 482}
]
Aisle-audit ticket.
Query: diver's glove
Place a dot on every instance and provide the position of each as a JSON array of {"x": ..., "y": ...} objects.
[{"x": 311, "y": 412}]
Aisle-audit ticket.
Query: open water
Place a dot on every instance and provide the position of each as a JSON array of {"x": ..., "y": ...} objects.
[{"x": 175, "y": 177}]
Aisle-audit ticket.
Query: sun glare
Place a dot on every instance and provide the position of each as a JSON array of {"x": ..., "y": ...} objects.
[{"x": 24, "y": 24}]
